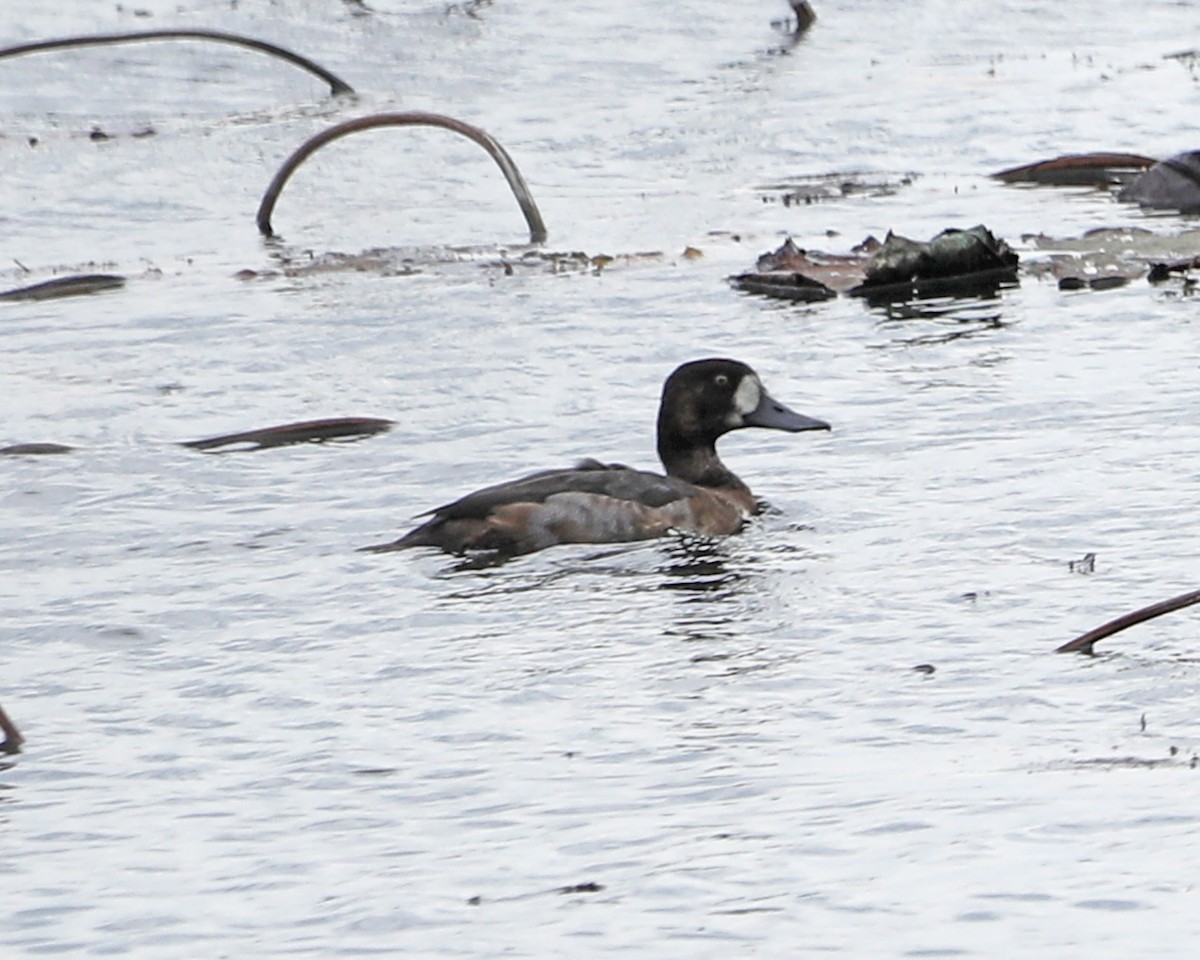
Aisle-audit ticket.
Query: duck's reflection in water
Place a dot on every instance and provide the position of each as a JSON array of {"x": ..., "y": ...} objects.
[
  {"x": 946, "y": 318},
  {"x": 713, "y": 583},
  {"x": 683, "y": 562},
  {"x": 699, "y": 565}
]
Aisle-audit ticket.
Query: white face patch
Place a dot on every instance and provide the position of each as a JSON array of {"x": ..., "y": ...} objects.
[{"x": 745, "y": 398}]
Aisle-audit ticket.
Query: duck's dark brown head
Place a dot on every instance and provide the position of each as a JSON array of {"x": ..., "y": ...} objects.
[{"x": 705, "y": 399}]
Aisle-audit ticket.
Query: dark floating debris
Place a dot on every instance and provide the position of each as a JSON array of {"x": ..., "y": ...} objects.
[
  {"x": 1106, "y": 257},
  {"x": 806, "y": 16},
  {"x": 1080, "y": 170},
  {"x": 925, "y": 668},
  {"x": 795, "y": 27},
  {"x": 1130, "y": 762},
  {"x": 337, "y": 86},
  {"x": 469, "y": 8},
  {"x": 1086, "y": 564},
  {"x": 1084, "y": 644},
  {"x": 35, "y": 449},
  {"x": 65, "y": 287},
  {"x": 784, "y": 286},
  {"x": 533, "y": 217},
  {"x": 100, "y": 135},
  {"x": 308, "y": 431},
  {"x": 1161, "y": 272},
  {"x": 588, "y": 886},
  {"x": 12, "y": 736},
  {"x": 954, "y": 263},
  {"x": 809, "y": 190},
  {"x": 585, "y": 887},
  {"x": 1092, "y": 283},
  {"x": 791, "y": 273},
  {"x": 1171, "y": 184}
]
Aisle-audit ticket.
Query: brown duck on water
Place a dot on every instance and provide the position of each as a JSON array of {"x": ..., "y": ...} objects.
[{"x": 609, "y": 503}]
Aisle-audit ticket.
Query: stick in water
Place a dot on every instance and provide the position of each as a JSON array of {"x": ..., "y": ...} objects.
[{"x": 1084, "y": 644}]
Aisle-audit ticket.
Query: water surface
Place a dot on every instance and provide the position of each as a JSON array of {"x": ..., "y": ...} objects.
[{"x": 244, "y": 738}]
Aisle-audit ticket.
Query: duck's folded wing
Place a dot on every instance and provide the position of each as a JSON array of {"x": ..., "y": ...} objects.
[{"x": 590, "y": 476}]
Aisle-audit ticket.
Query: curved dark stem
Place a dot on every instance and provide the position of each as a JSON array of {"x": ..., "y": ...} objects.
[
  {"x": 12, "y": 736},
  {"x": 1084, "y": 643},
  {"x": 537, "y": 229},
  {"x": 337, "y": 86},
  {"x": 805, "y": 15}
]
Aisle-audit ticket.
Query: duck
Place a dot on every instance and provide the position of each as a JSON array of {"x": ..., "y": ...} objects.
[{"x": 595, "y": 502}]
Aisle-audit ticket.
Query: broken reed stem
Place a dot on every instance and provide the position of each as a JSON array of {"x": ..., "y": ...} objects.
[
  {"x": 12, "y": 736},
  {"x": 337, "y": 86},
  {"x": 533, "y": 217},
  {"x": 1084, "y": 643},
  {"x": 806, "y": 16}
]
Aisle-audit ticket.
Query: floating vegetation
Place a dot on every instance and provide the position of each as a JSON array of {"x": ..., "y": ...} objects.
[
  {"x": 1109, "y": 257},
  {"x": 954, "y": 263},
  {"x": 804, "y": 191}
]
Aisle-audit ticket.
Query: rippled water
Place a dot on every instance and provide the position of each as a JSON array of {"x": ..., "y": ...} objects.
[{"x": 245, "y": 739}]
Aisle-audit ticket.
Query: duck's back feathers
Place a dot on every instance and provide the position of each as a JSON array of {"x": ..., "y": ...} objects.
[{"x": 588, "y": 476}]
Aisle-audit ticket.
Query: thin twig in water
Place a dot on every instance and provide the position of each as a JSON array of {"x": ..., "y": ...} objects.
[
  {"x": 337, "y": 86},
  {"x": 533, "y": 217},
  {"x": 1084, "y": 643}
]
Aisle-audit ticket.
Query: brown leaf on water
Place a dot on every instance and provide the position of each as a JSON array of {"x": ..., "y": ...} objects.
[{"x": 1079, "y": 169}]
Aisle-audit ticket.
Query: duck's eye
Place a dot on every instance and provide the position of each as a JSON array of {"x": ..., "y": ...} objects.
[{"x": 721, "y": 380}]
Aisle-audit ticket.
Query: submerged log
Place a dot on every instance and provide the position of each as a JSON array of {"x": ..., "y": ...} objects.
[
  {"x": 533, "y": 217},
  {"x": 308, "y": 431},
  {"x": 337, "y": 86},
  {"x": 1084, "y": 644}
]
